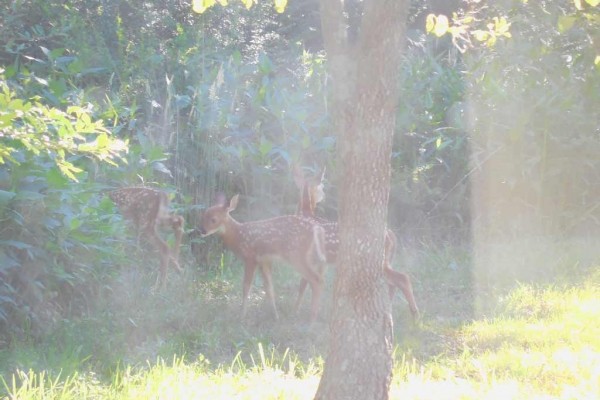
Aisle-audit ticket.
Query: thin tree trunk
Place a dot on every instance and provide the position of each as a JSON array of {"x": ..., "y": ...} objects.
[{"x": 364, "y": 74}]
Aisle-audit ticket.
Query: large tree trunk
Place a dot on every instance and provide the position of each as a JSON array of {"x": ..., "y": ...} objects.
[{"x": 364, "y": 67}]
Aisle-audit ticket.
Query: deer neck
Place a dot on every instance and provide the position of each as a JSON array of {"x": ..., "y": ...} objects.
[
  {"x": 307, "y": 205},
  {"x": 231, "y": 234}
]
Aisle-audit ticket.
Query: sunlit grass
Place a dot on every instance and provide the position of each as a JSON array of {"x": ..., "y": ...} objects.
[
  {"x": 542, "y": 343},
  {"x": 268, "y": 377},
  {"x": 191, "y": 381}
]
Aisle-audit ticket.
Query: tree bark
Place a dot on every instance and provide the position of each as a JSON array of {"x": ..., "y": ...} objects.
[{"x": 364, "y": 69}]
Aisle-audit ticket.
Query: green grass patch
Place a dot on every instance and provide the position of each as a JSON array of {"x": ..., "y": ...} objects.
[
  {"x": 536, "y": 341},
  {"x": 544, "y": 343},
  {"x": 267, "y": 377}
]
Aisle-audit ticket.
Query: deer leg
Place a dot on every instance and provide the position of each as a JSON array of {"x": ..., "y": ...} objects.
[
  {"x": 389, "y": 248},
  {"x": 397, "y": 279},
  {"x": 316, "y": 287},
  {"x": 268, "y": 280},
  {"x": 304, "y": 283},
  {"x": 315, "y": 281},
  {"x": 163, "y": 250},
  {"x": 249, "y": 270},
  {"x": 310, "y": 277},
  {"x": 301, "y": 289},
  {"x": 402, "y": 282},
  {"x": 392, "y": 280},
  {"x": 177, "y": 226},
  {"x": 407, "y": 290}
]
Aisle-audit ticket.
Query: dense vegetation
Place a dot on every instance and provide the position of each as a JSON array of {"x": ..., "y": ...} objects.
[
  {"x": 496, "y": 175},
  {"x": 502, "y": 357}
]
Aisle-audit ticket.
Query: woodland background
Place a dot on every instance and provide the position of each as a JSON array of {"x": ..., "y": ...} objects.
[{"x": 495, "y": 184}]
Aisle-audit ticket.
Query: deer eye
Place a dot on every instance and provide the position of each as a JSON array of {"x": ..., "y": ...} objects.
[{"x": 213, "y": 220}]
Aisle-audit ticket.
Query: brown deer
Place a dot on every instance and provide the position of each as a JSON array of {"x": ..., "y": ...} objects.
[
  {"x": 148, "y": 209},
  {"x": 311, "y": 193},
  {"x": 295, "y": 239}
]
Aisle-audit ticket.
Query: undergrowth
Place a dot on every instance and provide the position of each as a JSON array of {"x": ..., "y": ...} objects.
[{"x": 537, "y": 340}]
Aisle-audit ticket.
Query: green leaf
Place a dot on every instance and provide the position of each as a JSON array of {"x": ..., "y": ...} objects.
[
  {"x": 593, "y": 3},
  {"x": 501, "y": 25},
  {"x": 265, "y": 146},
  {"x": 76, "y": 66},
  {"x": 491, "y": 41},
  {"x": 102, "y": 141},
  {"x": 55, "y": 179},
  {"x": 236, "y": 57},
  {"x": 265, "y": 65},
  {"x": 280, "y": 5},
  {"x": 430, "y": 23},
  {"x": 10, "y": 71},
  {"x": 441, "y": 26},
  {"x": 199, "y": 6},
  {"x": 480, "y": 35},
  {"x": 75, "y": 224},
  {"x": 68, "y": 169},
  {"x": 58, "y": 87},
  {"x": 248, "y": 3},
  {"x": 566, "y": 22},
  {"x": 56, "y": 53},
  {"x": 6, "y": 197},
  {"x": 155, "y": 153},
  {"x": 437, "y": 24}
]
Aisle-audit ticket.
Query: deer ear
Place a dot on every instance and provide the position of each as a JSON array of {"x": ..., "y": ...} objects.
[
  {"x": 233, "y": 203},
  {"x": 298, "y": 176}
]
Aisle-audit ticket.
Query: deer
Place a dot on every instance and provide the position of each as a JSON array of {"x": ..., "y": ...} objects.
[
  {"x": 295, "y": 239},
  {"x": 312, "y": 193},
  {"x": 148, "y": 210}
]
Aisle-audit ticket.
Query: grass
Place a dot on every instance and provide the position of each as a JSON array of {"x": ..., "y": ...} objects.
[
  {"x": 545, "y": 343},
  {"x": 534, "y": 341}
]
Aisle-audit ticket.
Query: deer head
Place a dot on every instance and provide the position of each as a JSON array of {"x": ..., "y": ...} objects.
[
  {"x": 215, "y": 218},
  {"x": 311, "y": 190}
]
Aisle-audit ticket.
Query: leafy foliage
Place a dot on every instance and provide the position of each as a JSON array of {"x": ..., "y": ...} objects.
[
  {"x": 120, "y": 93},
  {"x": 536, "y": 99},
  {"x": 201, "y": 6},
  {"x": 51, "y": 223},
  {"x": 32, "y": 128}
]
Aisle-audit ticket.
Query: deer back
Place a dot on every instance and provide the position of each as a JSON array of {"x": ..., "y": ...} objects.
[
  {"x": 145, "y": 207},
  {"x": 290, "y": 237}
]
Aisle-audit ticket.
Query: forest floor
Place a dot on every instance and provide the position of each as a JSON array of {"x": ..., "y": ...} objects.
[{"x": 491, "y": 327}]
